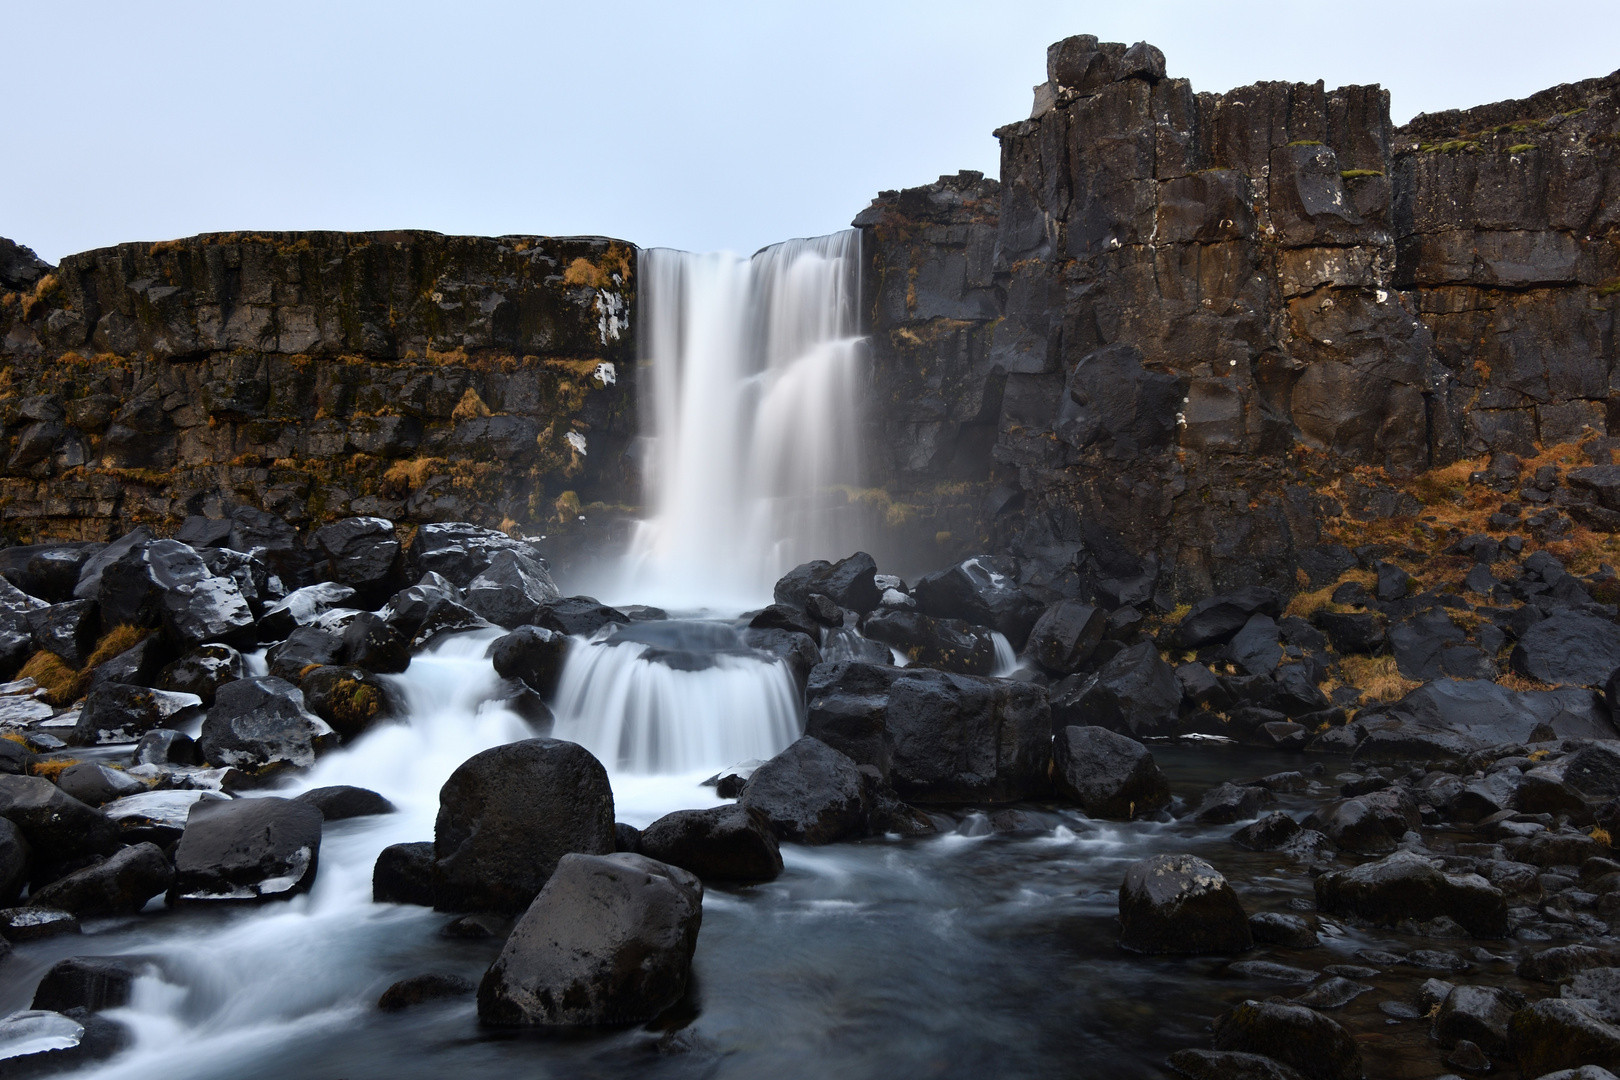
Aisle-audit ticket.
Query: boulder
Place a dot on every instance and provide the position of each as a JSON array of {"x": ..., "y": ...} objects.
[
  {"x": 944, "y": 644},
  {"x": 459, "y": 552},
  {"x": 983, "y": 591},
  {"x": 1277, "y": 928},
  {"x": 1430, "y": 646},
  {"x": 16, "y": 642},
  {"x": 1107, "y": 774},
  {"x": 349, "y": 699},
  {"x": 39, "y": 1042},
  {"x": 1478, "y": 1014},
  {"x": 300, "y": 608},
  {"x": 1257, "y": 648},
  {"x": 91, "y": 983},
  {"x": 369, "y": 642},
  {"x": 57, "y": 826},
  {"x": 419, "y": 989},
  {"x": 306, "y": 647},
  {"x": 1568, "y": 648},
  {"x": 1136, "y": 693},
  {"x": 1353, "y": 632},
  {"x": 809, "y": 793},
  {"x": 202, "y": 671},
  {"x": 68, "y": 629},
  {"x": 163, "y": 746},
  {"x": 961, "y": 739},
  {"x": 247, "y": 849},
  {"x": 583, "y": 615},
  {"x": 48, "y": 571},
  {"x": 797, "y": 651},
  {"x": 422, "y": 613},
  {"x": 1369, "y": 824},
  {"x": 16, "y": 860},
  {"x": 1557, "y": 1033},
  {"x": 362, "y": 553},
  {"x": 511, "y": 591},
  {"x": 88, "y": 586},
  {"x": 1217, "y": 620},
  {"x": 341, "y": 802},
  {"x": 1269, "y": 833},
  {"x": 33, "y": 923},
  {"x": 259, "y": 722},
  {"x": 156, "y": 816},
  {"x": 1294, "y": 1035},
  {"x": 508, "y": 814},
  {"x": 786, "y": 617},
  {"x": 1405, "y": 886},
  {"x": 93, "y": 783},
  {"x": 139, "y": 665},
  {"x": 166, "y": 583},
  {"x": 1563, "y": 962},
  {"x": 120, "y": 885},
  {"x": 1180, "y": 904},
  {"x": 1226, "y": 803},
  {"x": 850, "y": 583},
  {"x": 1227, "y": 1065},
  {"x": 533, "y": 654},
  {"x": 1065, "y": 636},
  {"x": 119, "y": 713},
  {"x": 403, "y": 874},
  {"x": 252, "y": 577},
  {"x": 719, "y": 843},
  {"x": 1445, "y": 716},
  {"x": 608, "y": 941}
]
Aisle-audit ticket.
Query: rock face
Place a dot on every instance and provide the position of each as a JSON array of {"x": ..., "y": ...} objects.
[
  {"x": 1180, "y": 904},
  {"x": 508, "y": 814},
  {"x": 608, "y": 941}
]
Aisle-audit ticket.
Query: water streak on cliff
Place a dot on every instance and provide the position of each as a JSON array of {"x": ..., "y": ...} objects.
[{"x": 750, "y": 418}]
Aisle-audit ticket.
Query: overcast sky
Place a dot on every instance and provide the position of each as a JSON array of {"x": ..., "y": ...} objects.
[{"x": 692, "y": 125}]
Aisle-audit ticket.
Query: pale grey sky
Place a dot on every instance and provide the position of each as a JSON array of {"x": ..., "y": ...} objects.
[{"x": 696, "y": 125}]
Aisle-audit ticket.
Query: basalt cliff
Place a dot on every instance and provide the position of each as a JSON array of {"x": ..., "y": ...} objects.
[{"x": 1189, "y": 341}]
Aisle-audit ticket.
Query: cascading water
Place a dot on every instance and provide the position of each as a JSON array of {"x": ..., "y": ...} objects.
[{"x": 751, "y": 418}]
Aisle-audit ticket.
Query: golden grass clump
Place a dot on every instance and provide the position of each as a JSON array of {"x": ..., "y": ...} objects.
[
  {"x": 1377, "y": 677},
  {"x": 62, "y": 684},
  {"x": 117, "y": 640},
  {"x": 470, "y": 406},
  {"x": 412, "y": 474},
  {"x": 1514, "y": 681},
  {"x": 52, "y": 768}
]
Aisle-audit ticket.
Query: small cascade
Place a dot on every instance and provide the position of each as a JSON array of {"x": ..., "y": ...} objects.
[
  {"x": 1006, "y": 658},
  {"x": 750, "y": 413},
  {"x": 673, "y": 697}
]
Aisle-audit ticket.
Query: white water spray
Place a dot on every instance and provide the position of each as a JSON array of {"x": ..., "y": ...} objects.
[{"x": 751, "y": 415}]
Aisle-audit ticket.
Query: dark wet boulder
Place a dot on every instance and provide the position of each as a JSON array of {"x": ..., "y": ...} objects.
[
  {"x": 163, "y": 746},
  {"x": 1294, "y": 1035},
  {"x": 578, "y": 615},
  {"x": 788, "y": 618},
  {"x": 247, "y": 849},
  {"x": 981, "y": 591},
  {"x": 258, "y": 722},
  {"x": 1107, "y": 774},
  {"x": 68, "y": 629},
  {"x": 1226, "y": 803},
  {"x": 1279, "y": 928},
  {"x": 1136, "y": 693},
  {"x": 202, "y": 671},
  {"x": 91, "y": 983},
  {"x": 1217, "y": 620},
  {"x": 508, "y": 814},
  {"x": 1180, "y": 904},
  {"x": 627, "y": 837},
  {"x": 1430, "y": 646},
  {"x": 403, "y": 874},
  {"x": 16, "y": 860},
  {"x": 120, "y": 885},
  {"x": 608, "y": 942},
  {"x": 75, "y": 1041},
  {"x": 942, "y": 644},
  {"x": 34, "y": 923},
  {"x": 1269, "y": 833},
  {"x": 1569, "y": 648},
  {"x": 1563, "y": 962},
  {"x": 423, "y": 614},
  {"x": 848, "y": 643},
  {"x": 1559, "y": 1033},
  {"x": 1227, "y": 1065},
  {"x": 272, "y": 541},
  {"x": 1065, "y": 636},
  {"x": 47, "y": 571},
  {"x": 93, "y": 783},
  {"x": 420, "y": 989},
  {"x": 533, "y": 654},
  {"x": 362, "y": 553},
  {"x": 809, "y": 793},
  {"x": 511, "y": 591},
  {"x": 1443, "y": 717},
  {"x": 158, "y": 816},
  {"x": 719, "y": 843},
  {"x": 459, "y": 552},
  {"x": 1369, "y": 824},
  {"x": 1406, "y": 886},
  {"x": 16, "y": 642},
  {"x": 90, "y": 573},
  {"x": 118, "y": 713},
  {"x": 341, "y": 802},
  {"x": 1477, "y": 1014},
  {"x": 56, "y": 825},
  {"x": 962, "y": 739},
  {"x": 846, "y": 705},
  {"x": 1353, "y": 631},
  {"x": 252, "y": 577},
  {"x": 306, "y": 647},
  {"x": 15, "y": 758},
  {"x": 349, "y": 699},
  {"x": 850, "y": 583},
  {"x": 301, "y": 607},
  {"x": 370, "y": 642},
  {"x": 139, "y": 665},
  {"x": 166, "y": 583},
  {"x": 797, "y": 651}
]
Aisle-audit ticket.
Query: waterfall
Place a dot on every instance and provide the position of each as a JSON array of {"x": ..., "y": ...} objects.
[{"x": 750, "y": 416}]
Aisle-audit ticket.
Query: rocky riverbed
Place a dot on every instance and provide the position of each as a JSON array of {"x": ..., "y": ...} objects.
[{"x": 1013, "y": 836}]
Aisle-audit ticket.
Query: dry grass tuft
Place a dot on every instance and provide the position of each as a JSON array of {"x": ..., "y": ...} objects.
[
  {"x": 51, "y": 768},
  {"x": 412, "y": 474},
  {"x": 117, "y": 640},
  {"x": 61, "y": 683},
  {"x": 1377, "y": 677},
  {"x": 1514, "y": 681},
  {"x": 470, "y": 406}
]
